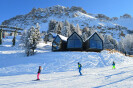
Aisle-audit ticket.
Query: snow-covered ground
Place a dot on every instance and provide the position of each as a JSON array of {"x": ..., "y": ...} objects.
[{"x": 60, "y": 68}]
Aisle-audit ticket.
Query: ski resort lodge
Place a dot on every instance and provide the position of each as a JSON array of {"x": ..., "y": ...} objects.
[
  {"x": 94, "y": 43},
  {"x": 75, "y": 43}
]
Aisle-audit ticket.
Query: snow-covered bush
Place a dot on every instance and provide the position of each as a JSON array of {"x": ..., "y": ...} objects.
[
  {"x": 110, "y": 43},
  {"x": 126, "y": 44}
]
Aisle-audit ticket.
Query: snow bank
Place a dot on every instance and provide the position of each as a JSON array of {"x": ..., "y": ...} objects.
[{"x": 13, "y": 60}]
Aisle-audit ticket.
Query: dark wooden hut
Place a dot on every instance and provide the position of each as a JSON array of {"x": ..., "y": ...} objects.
[
  {"x": 59, "y": 43},
  {"x": 74, "y": 42},
  {"x": 94, "y": 43}
]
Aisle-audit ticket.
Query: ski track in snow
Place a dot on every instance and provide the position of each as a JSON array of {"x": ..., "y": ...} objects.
[
  {"x": 70, "y": 79},
  {"x": 60, "y": 68}
]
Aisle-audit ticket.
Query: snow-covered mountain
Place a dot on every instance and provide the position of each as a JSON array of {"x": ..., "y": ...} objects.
[{"x": 75, "y": 15}]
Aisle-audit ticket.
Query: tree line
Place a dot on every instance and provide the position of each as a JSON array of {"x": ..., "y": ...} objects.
[{"x": 31, "y": 37}]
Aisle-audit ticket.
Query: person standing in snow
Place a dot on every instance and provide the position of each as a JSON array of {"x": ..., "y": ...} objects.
[
  {"x": 38, "y": 73},
  {"x": 113, "y": 65},
  {"x": 79, "y": 67}
]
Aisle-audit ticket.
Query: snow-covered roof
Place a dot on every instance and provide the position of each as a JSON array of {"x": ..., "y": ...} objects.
[
  {"x": 54, "y": 34},
  {"x": 63, "y": 37}
]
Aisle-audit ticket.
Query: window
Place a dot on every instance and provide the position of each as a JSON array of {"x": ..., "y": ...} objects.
[
  {"x": 96, "y": 37},
  {"x": 78, "y": 44},
  {"x": 99, "y": 45},
  {"x": 57, "y": 43},
  {"x": 93, "y": 44},
  {"x": 70, "y": 44},
  {"x": 57, "y": 39},
  {"x": 74, "y": 42},
  {"x": 96, "y": 44}
]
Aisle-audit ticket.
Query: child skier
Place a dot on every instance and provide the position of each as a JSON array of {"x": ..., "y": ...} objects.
[
  {"x": 113, "y": 65},
  {"x": 79, "y": 67},
  {"x": 38, "y": 73}
]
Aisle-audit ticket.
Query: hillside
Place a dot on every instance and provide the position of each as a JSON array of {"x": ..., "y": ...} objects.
[
  {"x": 75, "y": 15},
  {"x": 60, "y": 68},
  {"x": 14, "y": 61}
]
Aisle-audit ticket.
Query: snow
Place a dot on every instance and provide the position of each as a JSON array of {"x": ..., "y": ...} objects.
[
  {"x": 92, "y": 78},
  {"x": 58, "y": 13},
  {"x": 126, "y": 22},
  {"x": 82, "y": 15},
  {"x": 60, "y": 68},
  {"x": 54, "y": 34},
  {"x": 63, "y": 37}
]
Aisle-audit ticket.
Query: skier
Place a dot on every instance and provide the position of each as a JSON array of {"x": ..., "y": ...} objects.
[
  {"x": 79, "y": 67},
  {"x": 38, "y": 73},
  {"x": 113, "y": 65}
]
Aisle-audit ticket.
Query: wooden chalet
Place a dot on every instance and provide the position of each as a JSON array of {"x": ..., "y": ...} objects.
[
  {"x": 93, "y": 43},
  {"x": 59, "y": 43},
  {"x": 74, "y": 42}
]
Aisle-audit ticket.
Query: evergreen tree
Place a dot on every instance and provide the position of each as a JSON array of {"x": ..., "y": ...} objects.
[
  {"x": 72, "y": 28},
  {"x": 78, "y": 30},
  {"x": 65, "y": 31},
  {"x": 85, "y": 33},
  {"x": 126, "y": 44},
  {"x": 52, "y": 24},
  {"x": 46, "y": 38},
  {"x": 58, "y": 27},
  {"x": 1, "y": 30},
  {"x": 84, "y": 36},
  {"x": 31, "y": 39}
]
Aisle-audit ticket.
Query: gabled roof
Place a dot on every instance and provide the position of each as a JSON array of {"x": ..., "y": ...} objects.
[
  {"x": 63, "y": 37},
  {"x": 92, "y": 35},
  {"x": 76, "y": 34}
]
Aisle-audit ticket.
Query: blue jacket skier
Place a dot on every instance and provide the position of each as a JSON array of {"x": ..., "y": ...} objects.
[{"x": 79, "y": 67}]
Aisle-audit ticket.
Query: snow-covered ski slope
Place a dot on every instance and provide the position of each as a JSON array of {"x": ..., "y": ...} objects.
[
  {"x": 122, "y": 77},
  {"x": 60, "y": 68}
]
